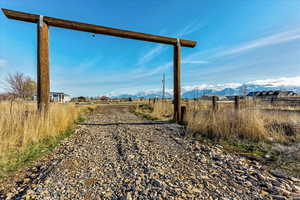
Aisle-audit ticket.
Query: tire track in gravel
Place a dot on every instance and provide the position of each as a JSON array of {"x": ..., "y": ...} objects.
[{"x": 130, "y": 157}]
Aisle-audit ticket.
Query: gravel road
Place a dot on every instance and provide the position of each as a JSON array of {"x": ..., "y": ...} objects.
[{"x": 116, "y": 155}]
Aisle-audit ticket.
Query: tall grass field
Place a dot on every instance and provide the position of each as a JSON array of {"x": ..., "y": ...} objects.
[
  {"x": 255, "y": 120},
  {"x": 24, "y": 130},
  {"x": 269, "y": 132}
]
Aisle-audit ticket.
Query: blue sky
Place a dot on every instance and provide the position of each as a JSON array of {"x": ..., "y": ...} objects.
[{"x": 238, "y": 41}]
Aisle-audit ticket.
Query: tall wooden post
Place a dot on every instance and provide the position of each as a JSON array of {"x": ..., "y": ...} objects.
[
  {"x": 214, "y": 103},
  {"x": 236, "y": 102},
  {"x": 183, "y": 115},
  {"x": 43, "y": 83},
  {"x": 177, "y": 81}
]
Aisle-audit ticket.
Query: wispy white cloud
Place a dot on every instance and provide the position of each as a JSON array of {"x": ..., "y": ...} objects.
[
  {"x": 3, "y": 63},
  {"x": 279, "y": 82},
  {"x": 273, "y": 39},
  {"x": 83, "y": 66},
  {"x": 114, "y": 79},
  {"x": 153, "y": 52},
  {"x": 216, "y": 87},
  {"x": 87, "y": 64},
  {"x": 149, "y": 70},
  {"x": 139, "y": 93},
  {"x": 149, "y": 55},
  {"x": 276, "y": 82},
  {"x": 217, "y": 54},
  {"x": 145, "y": 72},
  {"x": 190, "y": 28},
  {"x": 194, "y": 62},
  {"x": 157, "y": 69}
]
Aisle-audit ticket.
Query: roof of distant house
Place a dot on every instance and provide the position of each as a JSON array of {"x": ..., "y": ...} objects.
[{"x": 272, "y": 93}]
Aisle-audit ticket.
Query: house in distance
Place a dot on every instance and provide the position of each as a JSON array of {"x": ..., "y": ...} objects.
[
  {"x": 59, "y": 97},
  {"x": 272, "y": 94}
]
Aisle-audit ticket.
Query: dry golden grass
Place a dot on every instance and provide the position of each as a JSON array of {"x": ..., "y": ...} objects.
[
  {"x": 244, "y": 124},
  {"x": 162, "y": 109},
  {"x": 22, "y": 125},
  {"x": 255, "y": 120}
]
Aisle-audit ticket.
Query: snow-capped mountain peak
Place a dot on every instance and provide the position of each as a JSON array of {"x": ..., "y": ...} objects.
[{"x": 227, "y": 89}]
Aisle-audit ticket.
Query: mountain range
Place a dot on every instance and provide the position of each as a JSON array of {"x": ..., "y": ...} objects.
[{"x": 292, "y": 84}]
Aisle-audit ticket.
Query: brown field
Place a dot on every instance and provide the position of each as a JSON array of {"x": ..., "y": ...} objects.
[
  {"x": 255, "y": 120},
  {"x": 258, "y": 130},
  {"x": 21, "y": 125}
]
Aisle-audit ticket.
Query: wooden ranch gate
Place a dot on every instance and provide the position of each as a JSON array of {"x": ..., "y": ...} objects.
[{"x": 43, "y": 81}]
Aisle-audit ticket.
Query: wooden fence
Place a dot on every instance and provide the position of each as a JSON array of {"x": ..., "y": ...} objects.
[{"x": 280, "y": 105}]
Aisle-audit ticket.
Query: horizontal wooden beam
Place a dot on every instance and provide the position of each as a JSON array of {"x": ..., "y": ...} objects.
[{"x": 95, "y": 28}]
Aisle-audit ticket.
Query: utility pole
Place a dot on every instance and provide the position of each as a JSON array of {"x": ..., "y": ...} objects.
[
  {"x": 243, "y": 91},
  {"x": 164, "y": 86}
]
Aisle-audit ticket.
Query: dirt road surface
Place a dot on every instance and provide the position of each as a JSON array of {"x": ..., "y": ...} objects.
[{"x": 116, "y": 155}]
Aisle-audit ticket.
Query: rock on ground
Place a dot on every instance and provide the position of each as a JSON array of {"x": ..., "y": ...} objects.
[{"x": 116, "y": 155}]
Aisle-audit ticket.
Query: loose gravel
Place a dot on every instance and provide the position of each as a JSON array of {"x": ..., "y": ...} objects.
[{"x": 116, "y": 155}]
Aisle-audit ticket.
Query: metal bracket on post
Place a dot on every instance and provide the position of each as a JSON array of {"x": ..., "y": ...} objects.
[
  {"x": 178, "y": 42},
  {"x": 41, "y": 20}
]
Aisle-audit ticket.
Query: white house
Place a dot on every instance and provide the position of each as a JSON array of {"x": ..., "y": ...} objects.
[{"x": 59, "y": 97}]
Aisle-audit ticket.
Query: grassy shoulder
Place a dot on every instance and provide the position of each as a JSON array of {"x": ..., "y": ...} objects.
[
  {"x": 18, "y": 158},
  {"x": 275, "y": 155},
  {"x": 147, "y": 112},
  {"x": 143, "y": 111}
]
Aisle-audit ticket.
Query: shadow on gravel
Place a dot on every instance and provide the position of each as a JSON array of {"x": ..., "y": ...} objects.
[{"x": 126, "y": 123}]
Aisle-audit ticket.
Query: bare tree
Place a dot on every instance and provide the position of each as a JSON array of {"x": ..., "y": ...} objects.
[
  {"x": 20, "y": 85},
  {"x": 30, "y": 87}
]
